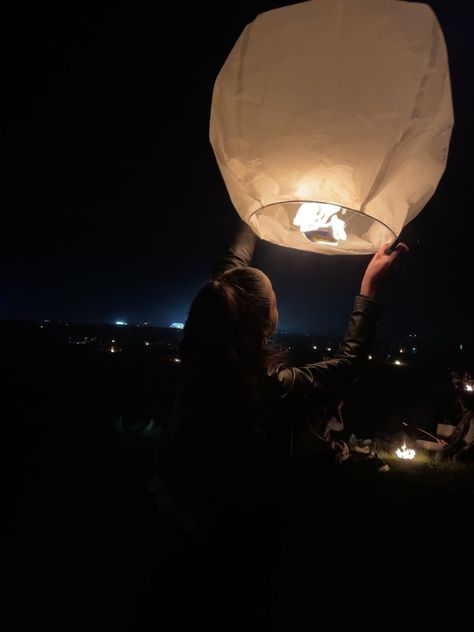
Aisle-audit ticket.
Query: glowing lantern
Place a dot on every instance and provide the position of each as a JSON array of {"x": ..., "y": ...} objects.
[
  {"x": 405, "y": 453},
  {"x": 331, "y": 121}
]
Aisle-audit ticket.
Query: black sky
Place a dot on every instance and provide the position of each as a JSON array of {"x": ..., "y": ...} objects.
[{"x": 113, "y": 205}]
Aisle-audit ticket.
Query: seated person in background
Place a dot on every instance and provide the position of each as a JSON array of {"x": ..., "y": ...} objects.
[{"x": 460, "y": 445}]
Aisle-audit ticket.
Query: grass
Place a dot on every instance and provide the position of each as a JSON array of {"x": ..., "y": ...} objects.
[{"x": 426, "y": 471}]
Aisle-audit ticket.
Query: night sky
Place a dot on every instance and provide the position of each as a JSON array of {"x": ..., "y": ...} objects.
[{"x": 113, "y": 204}]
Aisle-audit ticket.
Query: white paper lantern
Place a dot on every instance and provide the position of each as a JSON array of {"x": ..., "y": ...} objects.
[{"x": 331, "y": 122}]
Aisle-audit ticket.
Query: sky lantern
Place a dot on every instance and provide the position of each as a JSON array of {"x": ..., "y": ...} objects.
[{"x": 331, "y": 121}]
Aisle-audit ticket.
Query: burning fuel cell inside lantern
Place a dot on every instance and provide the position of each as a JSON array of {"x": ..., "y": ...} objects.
[{"x": 320, "y": 222}]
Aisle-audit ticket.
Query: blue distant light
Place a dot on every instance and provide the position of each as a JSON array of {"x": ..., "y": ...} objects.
[
  {"x": 177, "y": 325},
  {"x": 120, "y": 322}
]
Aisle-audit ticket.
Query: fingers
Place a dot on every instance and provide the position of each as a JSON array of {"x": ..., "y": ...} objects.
[
  {"x": 386, "y": 250},
  {"x": 401, "y": 247}
]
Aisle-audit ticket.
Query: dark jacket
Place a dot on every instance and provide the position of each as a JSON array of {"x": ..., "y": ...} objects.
[
  {"x": 322, "y": 379},
  {"x": 221, "y": 452}
]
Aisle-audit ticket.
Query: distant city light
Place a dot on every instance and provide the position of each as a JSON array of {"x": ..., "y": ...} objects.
[
  {"x": 147, "y": 344},
  {"x": 112, "y": 349},
  {"x": 120, "y": 322},
  {"x": 176, "y": 360},
  {"x": 460, "y": 347},
  {"x": 329, "y": 348},
  {"x": 370, "y": 357},
  {"x": 177, "y": 325},
  {"x": 315, "y": 348},
  {"x": 397, "y": 362}
]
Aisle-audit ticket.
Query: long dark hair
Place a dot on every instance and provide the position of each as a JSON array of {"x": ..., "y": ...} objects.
[{"x": 229, "y": 321}]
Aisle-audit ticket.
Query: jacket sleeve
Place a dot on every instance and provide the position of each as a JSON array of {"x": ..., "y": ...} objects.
[
  {"x": 331, "y": 377},
  {"x": 239, "y": 253}
]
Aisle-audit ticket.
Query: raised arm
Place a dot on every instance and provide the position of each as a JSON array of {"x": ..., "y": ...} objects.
[
  {"x": 331, "y": 377},
  {"x": 239, "y": 254}
]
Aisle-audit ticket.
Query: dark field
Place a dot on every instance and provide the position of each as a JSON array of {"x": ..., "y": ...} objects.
[{"x": 83, "y": 549}]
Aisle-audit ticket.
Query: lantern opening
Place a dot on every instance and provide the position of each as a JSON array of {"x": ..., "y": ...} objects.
[{"x": 322, "y": 226}]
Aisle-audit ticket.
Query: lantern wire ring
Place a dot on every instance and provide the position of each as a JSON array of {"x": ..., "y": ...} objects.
[{"x": 347, "y": 208}]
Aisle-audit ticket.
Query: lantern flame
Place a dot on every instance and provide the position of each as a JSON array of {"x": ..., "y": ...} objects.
[
  {"x": 314, "y": 216},
  {"x": 404, "y": 453}
]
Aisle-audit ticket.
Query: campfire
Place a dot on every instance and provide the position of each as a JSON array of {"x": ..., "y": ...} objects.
[{"x": 405, "y": 453}]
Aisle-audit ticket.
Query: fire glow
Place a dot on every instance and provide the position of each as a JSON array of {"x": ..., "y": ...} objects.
[
  {"x": 320, "y": 222},
  {"x": 405, "y": 453}
]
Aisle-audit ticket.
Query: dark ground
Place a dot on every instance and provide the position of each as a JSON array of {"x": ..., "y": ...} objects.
[{"x": 83, "y": 549}]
